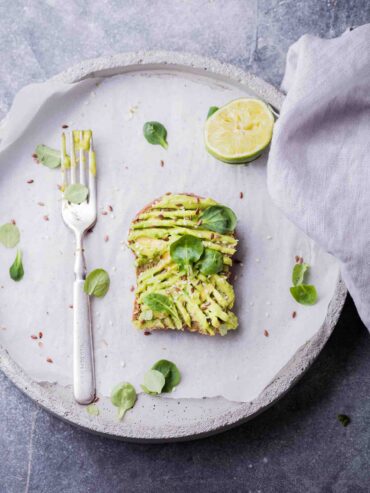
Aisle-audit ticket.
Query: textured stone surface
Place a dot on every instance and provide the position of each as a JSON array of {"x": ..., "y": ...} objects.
[{"x": 298, "y": 445}]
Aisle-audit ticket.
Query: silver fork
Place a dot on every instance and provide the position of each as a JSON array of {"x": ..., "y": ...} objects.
[{"x": 79, "y": 218}]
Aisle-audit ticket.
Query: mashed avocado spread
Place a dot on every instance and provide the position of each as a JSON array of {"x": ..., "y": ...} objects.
[{"x": 183, "y": 246}]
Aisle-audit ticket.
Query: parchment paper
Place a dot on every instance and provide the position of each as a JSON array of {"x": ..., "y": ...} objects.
[{"x": 238, "y": 366}]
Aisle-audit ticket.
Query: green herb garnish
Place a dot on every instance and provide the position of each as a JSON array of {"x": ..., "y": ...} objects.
[
  {"x": 155, "y": 133},
  {"x": 219, "y": 218},
  {"x": 186, "y": 250},
  {"x": 343, "y": 419},
  {"x": 92, "y": 409},
  {"x": 161, "y": 303},
  {"x": 305, "y": 294},
  {"x": 170, "y": 372},
  {"x": 211, "y": 262},
  {"x": 9, "y": 235},
  {"x": 16, "y": 270},
  {"x": 153, "y": 383},
  {"x": 76, "y": 193},
  {"x": 97, "y": 283},
  {"x": 212, "y": 110},
  {"x": 298, "y": 274},
  {"x": 123, "y": 396},
  {"x": 47, "y": 156}
]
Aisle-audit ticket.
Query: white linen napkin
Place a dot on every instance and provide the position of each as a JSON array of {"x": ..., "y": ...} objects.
[{"x": 319, "y": 163}]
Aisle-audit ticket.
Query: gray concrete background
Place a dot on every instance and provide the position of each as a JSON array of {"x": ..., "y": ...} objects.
[{"x": 298, "y": 445}]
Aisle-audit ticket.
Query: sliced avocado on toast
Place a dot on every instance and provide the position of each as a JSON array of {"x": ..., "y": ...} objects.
[{"x": 183, "y": 246}]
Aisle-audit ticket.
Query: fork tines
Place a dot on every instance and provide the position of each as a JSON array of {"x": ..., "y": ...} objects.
[{"x": 74, "y": 168}]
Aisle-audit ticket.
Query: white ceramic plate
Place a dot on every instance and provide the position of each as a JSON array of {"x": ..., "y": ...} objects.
[{"x": 177, "y": 419}]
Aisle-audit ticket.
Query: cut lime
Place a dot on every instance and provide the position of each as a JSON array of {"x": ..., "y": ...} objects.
[{"x": 239, "y": 131}]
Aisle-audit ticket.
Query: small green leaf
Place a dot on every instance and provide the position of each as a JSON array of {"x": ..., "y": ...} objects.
[
  {"x": 155, "y": 133},
  {"x": 153, "y": 383},
  {"x": 9, "y": 235},
  {"x": 298, "y": 274},
  {"x": 123, "y": 396},
  {"x": 211, "y": 262},
  {"x": 212, "y": 110},
  {"x": 304, "y": 294},
  {"x": 186, "y": 250},
  {"x": 76, "y": 193},
  {"x": 16, "y": 270},
  {"x": 343, "y": 419},
  {"x": 47, "y": 156},
  {"x": 97, "y": 283},
  {"x": 161, "y": 303},
  {"x": 218, "y": 218},
  {"x": 92, "y": 409},
  {"x": 170, "y": 372}
]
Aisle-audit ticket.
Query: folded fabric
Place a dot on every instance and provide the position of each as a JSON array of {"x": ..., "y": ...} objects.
[{"x": 319, "y": 164}]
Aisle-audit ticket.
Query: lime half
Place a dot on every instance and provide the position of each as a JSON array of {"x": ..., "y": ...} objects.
[{"x": 239, "y": 131}]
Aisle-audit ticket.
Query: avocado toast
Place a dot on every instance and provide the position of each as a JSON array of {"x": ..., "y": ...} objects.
[{"x": 183, "y": 246}]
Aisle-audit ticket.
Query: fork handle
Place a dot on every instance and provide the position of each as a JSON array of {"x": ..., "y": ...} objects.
[{"x": 83, "y": 356}]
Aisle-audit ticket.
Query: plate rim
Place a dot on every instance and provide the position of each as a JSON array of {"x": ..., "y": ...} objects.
[{"x": 44, "y": 394}]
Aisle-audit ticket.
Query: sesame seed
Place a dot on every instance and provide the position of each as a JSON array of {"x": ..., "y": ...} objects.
[
  {"x": 266, "y": 333},
  {"x": 241, "y": 195},
  {"x": 49, "y": 360},
  {"x": 30, "y": 181},
  {"x": 294, "y": 314}
]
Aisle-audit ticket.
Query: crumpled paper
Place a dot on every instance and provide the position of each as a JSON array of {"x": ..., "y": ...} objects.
[{"x": 238, "y": 366}]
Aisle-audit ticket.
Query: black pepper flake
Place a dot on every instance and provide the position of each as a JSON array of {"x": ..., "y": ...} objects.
[
  {"x": 147, "y": 333},
  {"x": 64, "y": 126}
]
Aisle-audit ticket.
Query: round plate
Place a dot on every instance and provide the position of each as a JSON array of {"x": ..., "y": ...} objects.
[{"x": 171, "y": 419}]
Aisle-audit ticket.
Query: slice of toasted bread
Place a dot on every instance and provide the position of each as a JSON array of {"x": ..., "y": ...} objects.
[{"x": 195, "y": 302}]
